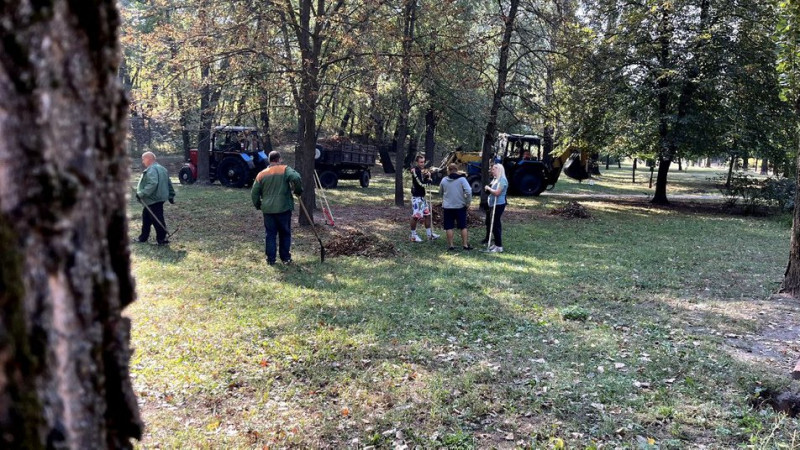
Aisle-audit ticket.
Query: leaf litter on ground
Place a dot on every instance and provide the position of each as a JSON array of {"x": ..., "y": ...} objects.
[{"x": 351, "y": 242}]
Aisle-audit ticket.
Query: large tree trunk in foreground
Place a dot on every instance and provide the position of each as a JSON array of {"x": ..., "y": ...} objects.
[
  {"x": 64, "y": 265},
  {"x": 791, "y": 278}
]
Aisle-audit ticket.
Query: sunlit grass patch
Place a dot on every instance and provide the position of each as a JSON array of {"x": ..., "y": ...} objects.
[{"x": 586, "y": 331}]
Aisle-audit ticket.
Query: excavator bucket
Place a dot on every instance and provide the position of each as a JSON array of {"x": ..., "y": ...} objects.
[{"x": 575, "y": 167}]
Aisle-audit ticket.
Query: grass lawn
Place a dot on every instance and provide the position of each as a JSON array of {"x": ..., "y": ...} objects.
[
  {"x": 618, "y": 181},
  {"x": 639, "y": 328}
]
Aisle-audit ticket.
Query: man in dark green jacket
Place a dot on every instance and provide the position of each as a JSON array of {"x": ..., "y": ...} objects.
[
  {"x": 154, "y": 189},
  {"x": 272, "y": 195}
]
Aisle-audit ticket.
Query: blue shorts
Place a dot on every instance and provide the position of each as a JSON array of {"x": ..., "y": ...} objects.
[{"x": 455, "y": 216}]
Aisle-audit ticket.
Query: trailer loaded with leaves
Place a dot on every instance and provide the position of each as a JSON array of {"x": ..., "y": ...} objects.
[{"x": 339, "y": 159}]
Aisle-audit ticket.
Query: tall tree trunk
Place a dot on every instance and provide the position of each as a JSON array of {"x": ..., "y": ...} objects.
[
  {"x": 345, "y": 120},
  {"x": 64, "y": 265},
  {"x": 791, "y": 278},
  {"x": 409, "y": 21},
  {"x": 633, "y": 172},
  {"x": 184, "y": 122},
  {"x": 206, "y": 121},
  {"x": 288, "y": 52},
  {"x": 688, "y": 87},
  {"x": 266, "y": 129},
  {"x": 309, "y": 38},
  {"x": 665, "y": 153},
  {"x": 431, "y": 115},
  {"x": 730, "y": 172},
  {"x": 497, "y": 99},
  {"x": 549, "y": 127},
  {"x": 764, "y": 166},
  {"x": 431, "y": 120}
]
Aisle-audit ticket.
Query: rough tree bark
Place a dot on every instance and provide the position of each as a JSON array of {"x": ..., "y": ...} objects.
[
  {"x": 499, "y": 93},
  {"x": 64, "y": 265},
  {"x": 409, "y": 21},
  {"x": 791, "y": 278}
]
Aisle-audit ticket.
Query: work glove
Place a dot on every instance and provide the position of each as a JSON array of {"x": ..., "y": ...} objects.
[
  {"x": 172, "y": 201},
  {"x": 258, "y": 206}
]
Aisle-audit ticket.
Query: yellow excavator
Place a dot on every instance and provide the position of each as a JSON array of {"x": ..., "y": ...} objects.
[
  {"x": 529, "y": 170},
  {"x": 469, "y": 165}
]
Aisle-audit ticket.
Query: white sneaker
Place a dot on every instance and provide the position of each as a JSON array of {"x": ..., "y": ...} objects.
[
  {"x": 495, "y": 249},
  {"x": 415, "y": 238},
  {"x": 433, "y": 236}
]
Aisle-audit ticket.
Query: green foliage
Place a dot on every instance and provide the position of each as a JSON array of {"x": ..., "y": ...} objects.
[
  {"x": 780, "y": 192},
  {"x": 755, "y": 192},
  {"x": 744, "y": 187},
  {"x": 575, "y": 312},
  {"x": 458, "y": 441}
]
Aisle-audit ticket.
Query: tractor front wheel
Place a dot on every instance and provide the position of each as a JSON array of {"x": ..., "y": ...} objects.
[
  {"x": 328, "y": 179},
  {"x": 232, "y": 172},
  {"x": 185, "y": 176}
]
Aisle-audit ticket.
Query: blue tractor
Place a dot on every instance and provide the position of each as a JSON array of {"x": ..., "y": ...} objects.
[{"x": 529, "y": 170}]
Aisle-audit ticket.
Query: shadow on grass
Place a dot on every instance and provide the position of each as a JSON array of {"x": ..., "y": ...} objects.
[{"x": 431, "y": 341}]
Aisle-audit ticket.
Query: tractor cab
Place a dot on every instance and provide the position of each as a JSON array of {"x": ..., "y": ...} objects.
[
  {"x": 520, "y": 148},
  {"x": 525, "y": 164},
  {"x": 236, "y": 155}
]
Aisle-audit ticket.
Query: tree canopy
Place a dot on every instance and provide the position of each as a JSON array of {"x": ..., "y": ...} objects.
[{"x": 657, "y": 79}]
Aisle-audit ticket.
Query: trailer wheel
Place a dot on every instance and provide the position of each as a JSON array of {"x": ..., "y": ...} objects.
[
  {"x": 529, "y": 182},
  {"x": 232, "y": 172},
  {"x": 364, "y": 179},
  {"x": 475, "y": 184},
  {"x": 328, "y": 179},
  {"x": 185, "y": 176}
]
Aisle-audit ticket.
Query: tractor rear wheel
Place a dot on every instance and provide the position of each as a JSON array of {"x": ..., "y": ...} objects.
[
  {"x": 232, "y": 172},
  {"x": 529, "y": 182},
  {"x": 364, "y": 179},
  {"x": 328, "y": 179},
  {"x": 185, "y": 176}
]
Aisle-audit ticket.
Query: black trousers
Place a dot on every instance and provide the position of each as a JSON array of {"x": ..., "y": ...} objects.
[
  {"x": 497, "y": 230},
  {"x": 153, "y": 220}
]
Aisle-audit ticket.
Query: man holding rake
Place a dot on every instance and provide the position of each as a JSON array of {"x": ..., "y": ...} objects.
[{"x": 153, "y": 190}]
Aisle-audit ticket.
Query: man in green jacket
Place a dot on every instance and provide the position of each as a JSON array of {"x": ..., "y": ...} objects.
[
  {"x": 154, "y": 189},
  {"x": 272, "y": 195}
]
